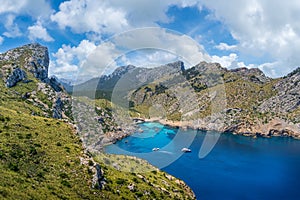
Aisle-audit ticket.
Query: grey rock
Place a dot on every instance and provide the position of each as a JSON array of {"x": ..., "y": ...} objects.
[
  {"x": 55, "y": 84},
  {"x": 16, "y": 76},
  {"x": 254, "y": 75},
  {"x": 58, "y": 108},
  {"x": 98, "y": 179},
  {"x": 287, "y": 98}
]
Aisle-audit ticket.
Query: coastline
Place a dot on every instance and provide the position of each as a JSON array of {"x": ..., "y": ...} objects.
[{"x": 275, "y": 128}]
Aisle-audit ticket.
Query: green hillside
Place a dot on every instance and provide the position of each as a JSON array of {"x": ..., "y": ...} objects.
[{"x": 43, "y": 158}]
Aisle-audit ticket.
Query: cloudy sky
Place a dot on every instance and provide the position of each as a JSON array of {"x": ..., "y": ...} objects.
[{"x": 92, "y": 37}]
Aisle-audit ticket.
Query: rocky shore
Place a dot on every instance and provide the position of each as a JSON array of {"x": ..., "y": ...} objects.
[{"x": 276, "y": 127}]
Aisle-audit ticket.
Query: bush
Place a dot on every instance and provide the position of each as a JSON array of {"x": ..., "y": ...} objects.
[
  {"x": 13, "y": 166},
  {"x": 65, "y": 183},
  {"x": 91, "y": 163},
  {"x": 139, "y": 194},
  {"x": 64, "y": 175},
  {"x": 120, "y": 181}
]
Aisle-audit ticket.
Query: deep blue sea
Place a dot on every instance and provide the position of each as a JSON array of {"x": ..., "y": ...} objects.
[{"x": 238, "y": 167}]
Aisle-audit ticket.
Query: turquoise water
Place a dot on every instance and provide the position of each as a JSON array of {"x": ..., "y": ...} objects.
[{"x": 238, "y": 167}]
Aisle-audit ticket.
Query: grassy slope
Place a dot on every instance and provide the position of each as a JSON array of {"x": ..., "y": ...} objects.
[
  {"x": 239, "y": 93},
  {"x": 40, "y": 159},
  {"x": 149, "y": 182}
]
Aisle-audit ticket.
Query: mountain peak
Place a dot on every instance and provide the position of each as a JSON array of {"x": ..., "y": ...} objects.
[
  {"x": 252, "y": 74},
  {"x": 19, "y": 63},
  {"x": 177, "y": 64},
  {"x": 123, "y": 70}
]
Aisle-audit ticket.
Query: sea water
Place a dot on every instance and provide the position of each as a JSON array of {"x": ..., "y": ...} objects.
[{"x": 238, "y": 167}]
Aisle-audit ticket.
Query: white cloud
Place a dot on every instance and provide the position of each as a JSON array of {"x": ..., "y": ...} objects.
[
  {"x": 37, "y": 9},
  {"x": 264, "y": 29},
  {"x": 153, "y": 46},
  {"x": 37, "y": 31},
  {"x": 10, "y": 9},
  {"x": 230, "y": 61},
  {"x": 88, "y": 15},
  {"x": 181, "y": 46},
  {"x": 257, "y": 26},
  {"x": 113, "y": 16},
  {"x": 1, "y": 40},
  {"x": 68, "y": 59},
  {"x": 12, "y": 28},
  {"x": 100, "y": 61},
  {"x": 148, "y": 58},
  {"x": 225, "y": 47}
]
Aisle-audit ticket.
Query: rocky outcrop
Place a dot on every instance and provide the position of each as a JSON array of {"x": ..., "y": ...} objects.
[
  {"x": 55, "y": 84},
  {"x": 57, "y": 109},
  {"x": 98, "y": 179},
  {"x": 16, "y": 76},
  {"x": 254, "y": 75},
  {"x": 38, "y": 62},
  {"x": 26, "y": 63},
  {"x": 287, "y": 98},
  {"x": 31, "y": 58}
]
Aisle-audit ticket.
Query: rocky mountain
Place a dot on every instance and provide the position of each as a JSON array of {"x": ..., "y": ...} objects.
[
  {"x": 129, "y": 75},
  {"x": 208, "y": 96},
  {"x": 50, "y": 142},
  {"x": 243, "y": 101},
  {"x": 25, "y": 71}
]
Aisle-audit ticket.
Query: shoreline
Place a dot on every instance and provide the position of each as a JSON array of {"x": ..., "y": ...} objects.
[{"x": 285, "y": 130}]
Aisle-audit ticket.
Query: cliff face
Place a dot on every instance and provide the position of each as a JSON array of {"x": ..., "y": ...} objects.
[
  {"x": 33, "y": 58},
  {"x": 27, "y": 67}
]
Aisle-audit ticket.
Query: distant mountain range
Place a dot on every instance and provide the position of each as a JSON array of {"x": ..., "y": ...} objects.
[{"x": 253, "y": 104}]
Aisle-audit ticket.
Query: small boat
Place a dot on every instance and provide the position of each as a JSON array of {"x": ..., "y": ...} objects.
[
  {"x": 155, "y": 149},
  {"x": 186, "y": 150}
]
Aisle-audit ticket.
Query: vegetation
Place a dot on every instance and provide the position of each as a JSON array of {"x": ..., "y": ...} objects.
[
  {"x": 40, "y": 159},
  {"x": 43, "y": 158},
  {"x": 132, "y": 178}
]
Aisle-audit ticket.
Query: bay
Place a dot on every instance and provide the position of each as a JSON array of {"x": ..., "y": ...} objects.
[{"x": 238, "y": 167}]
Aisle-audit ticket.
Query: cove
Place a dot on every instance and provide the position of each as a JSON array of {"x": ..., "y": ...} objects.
[{"x": 238, "y": 167}]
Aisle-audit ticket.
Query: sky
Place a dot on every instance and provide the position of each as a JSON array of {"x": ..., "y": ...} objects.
[{"x": 89, "y": 38}]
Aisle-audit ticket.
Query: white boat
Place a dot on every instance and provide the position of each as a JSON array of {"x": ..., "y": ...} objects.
[
  {"x": 186, "y": 150},
  {"x": 155, "y": 149}
]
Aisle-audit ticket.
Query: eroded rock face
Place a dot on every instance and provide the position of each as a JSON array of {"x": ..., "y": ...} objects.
[
  {"x": 33, "y": 58},
  {"x": 288, "y": 96},
  {"x": 254, "y": 75},
  {"x": 54, "y": 83},
  {"x": 58, "y": 108},
  {"x": 26, "y": 63},
  {"x": 38, "y": 63},
  {"x": 16, "y": 76}
]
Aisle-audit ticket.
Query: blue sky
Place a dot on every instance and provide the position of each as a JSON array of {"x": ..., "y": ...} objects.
[{"x": 92, "y": 37}]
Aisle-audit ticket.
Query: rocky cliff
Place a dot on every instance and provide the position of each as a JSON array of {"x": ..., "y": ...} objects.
[{"x": 28, "y": 66}]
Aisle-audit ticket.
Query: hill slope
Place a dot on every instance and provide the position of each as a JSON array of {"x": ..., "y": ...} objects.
[{"x": 41, "y": 153}]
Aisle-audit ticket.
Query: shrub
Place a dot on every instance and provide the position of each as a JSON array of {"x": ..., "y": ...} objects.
[
  {"x": 65, "y": 183},
  {"x": 120, "y": 181}
]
